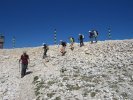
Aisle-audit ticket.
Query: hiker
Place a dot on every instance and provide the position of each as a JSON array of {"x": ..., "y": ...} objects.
[
  {"x": 45, "y": 48},
  {"x": 71, "y": 43},
  {"x": 63, "y": 46},
  {"x": 81, "y": 37},
  {"x": 24, "y": 63},
  {"x": 93, "y": 35}
]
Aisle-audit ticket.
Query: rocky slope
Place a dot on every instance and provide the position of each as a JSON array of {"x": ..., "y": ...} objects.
[{"x": 99, "y": 71}]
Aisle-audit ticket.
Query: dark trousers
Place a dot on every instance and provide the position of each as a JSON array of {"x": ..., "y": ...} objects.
[
  {"x": 23, "y": 70},
  {"x": 44, "y": 54},
  {"x": 81, "y": 43},
  {"x": 93, "y": 38}
]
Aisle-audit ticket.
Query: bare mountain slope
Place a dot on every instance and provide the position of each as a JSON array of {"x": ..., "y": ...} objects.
[{"x": 101, "y": 71}]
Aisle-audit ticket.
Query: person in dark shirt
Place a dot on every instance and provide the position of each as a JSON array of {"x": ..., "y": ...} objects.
[
  {"x": 24, "y": 63},
  {"x": 63, "y": 44},
  {"x": 81, "y": 38},
  {"x": 45, "y": 48},
  {"x": 93, "y": 35}
]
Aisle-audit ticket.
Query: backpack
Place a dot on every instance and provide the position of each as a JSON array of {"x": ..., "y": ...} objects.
[
  {"x": 63, "y": 43},
  {"x": 83, "y": 36},
  {"x": 73, "y": 39},
  {"x": 95, "y": 33}
]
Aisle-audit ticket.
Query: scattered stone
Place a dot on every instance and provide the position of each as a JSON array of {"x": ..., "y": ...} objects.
[{"x": 100, "y": 71}]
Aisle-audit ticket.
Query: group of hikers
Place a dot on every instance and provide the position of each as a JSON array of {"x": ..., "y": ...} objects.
[
  {"x": 24, "y": 59},
  {"x": 93, "y": 34}
]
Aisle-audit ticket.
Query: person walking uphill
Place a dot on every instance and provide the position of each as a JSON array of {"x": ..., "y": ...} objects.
[
  {"x": 72, "y": 42},
  {"x": 62, "y": 50},
  {"x": 93, "y": 35},
  {"x": 24, "y": 63},
  {"x": 45, "y": 48},
  {"x": 81, "y": 37}
]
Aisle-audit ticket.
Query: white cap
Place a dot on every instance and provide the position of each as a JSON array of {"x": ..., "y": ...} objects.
[
  {"x": 43, "y": 43},
  {"x": 89, "y": 31},
  {"x": 79, "y": 34},
  {"x": 60, "y": 40}
]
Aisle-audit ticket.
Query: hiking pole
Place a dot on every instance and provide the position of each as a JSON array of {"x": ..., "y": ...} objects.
[{"x": 19, "y": 66}]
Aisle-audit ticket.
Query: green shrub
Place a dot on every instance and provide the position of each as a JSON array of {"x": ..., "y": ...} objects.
[
  {"x": 50, "y": 95},
  {"x": 35, "y": 79},
  {"x": 93, "y": 94}
]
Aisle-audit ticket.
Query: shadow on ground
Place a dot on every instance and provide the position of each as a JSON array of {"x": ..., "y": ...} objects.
[{"x": 29, "y": 72}]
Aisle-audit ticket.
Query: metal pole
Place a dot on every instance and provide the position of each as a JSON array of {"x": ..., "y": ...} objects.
[
  {"x": 55, "y": 40},
  {"x": 13, "y": 42},
  {"x": 109, "y": 33},
  {"x": 2, "y": 40}
]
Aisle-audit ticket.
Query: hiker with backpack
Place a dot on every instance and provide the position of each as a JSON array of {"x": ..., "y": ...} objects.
[
  {"x": 93, "y": 35},
  {"x": 71, "y": 43},
  {"x": 45, "y": 48},
  {"x": 24, "y": 59},
  {"x": 81, "y": 38},
  {"x": 63, "y": 46}
]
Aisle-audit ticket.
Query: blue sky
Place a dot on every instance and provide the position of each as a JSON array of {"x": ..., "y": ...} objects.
[{"x": 32, "y": 22}]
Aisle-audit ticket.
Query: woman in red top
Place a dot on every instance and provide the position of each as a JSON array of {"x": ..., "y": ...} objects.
[{"x": 24, "y": 62}]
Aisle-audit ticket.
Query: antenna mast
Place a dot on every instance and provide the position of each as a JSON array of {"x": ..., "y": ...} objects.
[
  {"x": 55, "y": 38},
  {"x": 13, "y": 41},
  {"x": 109, "y": 33}
]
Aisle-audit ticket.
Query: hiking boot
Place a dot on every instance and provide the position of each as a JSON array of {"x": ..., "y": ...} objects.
[
  {"x": 72, "y": 48},
  {"x": 63, "y": 53},
  {"x": 22, "y": 76}
]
